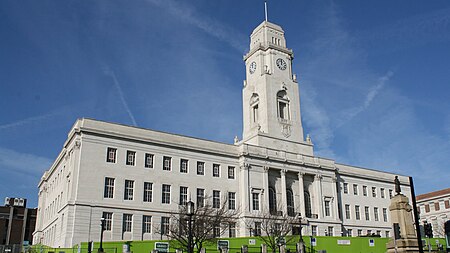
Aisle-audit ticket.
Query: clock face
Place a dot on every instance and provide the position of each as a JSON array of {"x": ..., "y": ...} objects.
[
  {"x": 281, "y": 64},
  {"x": 252, "y": 67}
]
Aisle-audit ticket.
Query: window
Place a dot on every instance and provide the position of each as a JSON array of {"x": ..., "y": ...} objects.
[
  {"x": 314, "y": 230},
  {"x": 184, "y": 166},
  {"x": 447, "y": 204},
  {"x": 427, "y": 208},
  {"x": 359, "y": 232},
  {"x": 357, "y": 214},
  {"x": 346, "y": 188},
  {"x": 283, "y": 105},
  {"x": 272, "y": 201},
  {"x": 183, "y": 195},
  {"x": 128, "y": 193},
  {"x": 347, "y": 212},
  {"x": 200, "y": 168},
  {"x": 148, "y": 163},
  {"x": 255, "y": 113},
  {"x": 369, "y": 232},
  {"x": 146, "y": 224},
  {"x": 327, "y": 208},
  {"x": 375, "y": 213},
  {"x": 111, "y": 155},
  {"x": 255, "y": 201},
  {"x": 216, "y": 231},
  {"x": 382, "y": 193},
  {"x": 387, "y": 234},
  {"x": 330, "y": 231},
  {"x": 349, "y": 232},
  {"x": 127, "y": 222},
  {"x": 148, "y": 192},
  {"x": 216, "y": 199},
  {"x": 385, "y": 215},
  {"x": 390, "y": 193},
  {"x": 308, "y": 209},
  {"x": 374, "y": 192},
  {"x": 167, "y": 163},
  {"x": 108, "y": 220},
  {"x": 230, "y": 172},
  {"x": 200, "y": 197},
  {"x": 131, "y": 157},
  {"x": 379, "y": 233},
  {"x": 232, "y": 230},
  {"x": 216, "y": 170},
  {"x": 364, "y": 190},
  {"x": 231, "y": 200},
  {"x": 109, "y": 188},
  {"x": 366, "y": 212},
  {"x": 165, "y": 194},
  {"x": 290, "y": 202},
  {"x": 165, "y": 225},
  {"x": 355, "y": 189},
  {"x": 257, "y": 229},
  {"x": 436, "y": 206}
]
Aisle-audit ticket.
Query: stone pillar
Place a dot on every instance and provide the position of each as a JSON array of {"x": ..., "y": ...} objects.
[
  {"x": 318, "y": 198},
  {"x": 266, "y": 188},
  {"x": 335, "y": 199},
  {"x": 283, "y": 191},
  {"x": 245, "y": 189},
  {"x": 400, "y": 211},
  {"x": 301, "y": 192}
]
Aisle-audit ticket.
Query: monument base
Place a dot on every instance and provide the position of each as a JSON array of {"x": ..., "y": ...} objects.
[{"x": 403, "y": 246}]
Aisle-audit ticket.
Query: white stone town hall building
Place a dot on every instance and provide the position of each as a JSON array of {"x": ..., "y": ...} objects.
[{"x": 135, "y": 177}]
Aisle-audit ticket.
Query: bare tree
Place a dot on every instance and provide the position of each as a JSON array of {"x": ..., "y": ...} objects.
[
  {"x": 209, "y": 221},
  {"x": 271, "y": 226}
]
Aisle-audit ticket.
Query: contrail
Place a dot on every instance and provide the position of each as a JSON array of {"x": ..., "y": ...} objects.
[
  {"x": 27, "y": 121},
  {"x": 109, "y": 72}
]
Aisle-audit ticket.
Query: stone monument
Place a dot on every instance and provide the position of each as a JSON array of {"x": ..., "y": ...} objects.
[{"x": 401, "y": 214}]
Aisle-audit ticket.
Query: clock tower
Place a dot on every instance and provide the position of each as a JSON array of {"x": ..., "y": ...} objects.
[{"x": 271, "y": 101}]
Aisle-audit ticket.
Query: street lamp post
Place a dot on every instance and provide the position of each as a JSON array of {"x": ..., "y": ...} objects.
[
  {"x": 300, "y": 238},
  {"x": 100, "y": 249},
  {"x": 190, "y": 213}
]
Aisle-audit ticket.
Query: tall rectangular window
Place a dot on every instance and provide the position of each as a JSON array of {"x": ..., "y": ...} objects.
[
  {"x": 231, "y": 200},
  {"x": 355, "y": 189},
  {"x": 314, "y": 230},
  {"x": 375, "y": 213},
  {"x": 216, "y": 199},
  {"x": 183, "y": 195},
  {"x": 366, "y": 212},
  {"x": 257, "y": 229},
  {"x": 216, "y": 170},
  {"x": 109, "y": 188},
  {"x": 216, "y": 231},
  {"x": 330, "y": 231},
  {"x": 148, "y": 192},
  {"x": 374, "y": 192},
  {"x": 349, "y": 232},
  {"x": 146, "y": 224},
  {"x": 359, "y": 232},
  {"x": 129, "y": 188},
  {"x": 165, "y": 194},
  {"x": 111, "y": 155},
  {"x": 232, "y": 230},
  {"x": 388, "y": 234},
  {"x": 200, "y": 168},
  {"x": 167, "y": 163},
  {"x": 390, "y": 193},
  {"x": 346, "y": 188},
  {"x": 108, "y": 220},
  {"x": 364, "y": 190},
  {"x": 357, "y": 214},
  {"x": 230, "y": 172},
  {"x": 131, "y": 157},
  {"x": 255, "y": 201},
  {"x": 127, "y": 222},
  {"x": 184, "y": 166},
  {"x": 200, "y": 197},
  {"x": 385, "y": 219},
  {"x": 148, "y": 160},
  {"x": 165, "y": 225},
  {"x": 327, "y": 208},
  {"x": 382, "y": 193},
  {"x": 347, "y": 212}
]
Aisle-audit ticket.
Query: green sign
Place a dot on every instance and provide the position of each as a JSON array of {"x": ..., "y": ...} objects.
[{"x": 162, "y": 247}]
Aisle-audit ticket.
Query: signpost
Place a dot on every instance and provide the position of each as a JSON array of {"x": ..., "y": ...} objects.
[
  {"x": 223, "y": 244},
  {"x": 162, "y": 247}
]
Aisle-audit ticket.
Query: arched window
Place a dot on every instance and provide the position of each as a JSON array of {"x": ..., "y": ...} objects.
[
  {"x": 254, "y": 105},
  {"x": 308, "y": 205},
  {"x": 283, "y": 105},
  {"x": 290, "y": 202},
  {"x": 272, "y": 201}
]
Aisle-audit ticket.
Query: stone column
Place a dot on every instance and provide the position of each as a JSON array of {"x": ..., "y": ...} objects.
[
  {"x": 301, "y": 192},
  {"x": 266, "y": 188},
  {"x": 319, "y": 197},
  {"x": 283, "y": 191},
  {"x": 245, "y": 189},
  {"x": 335, "y": 199}
]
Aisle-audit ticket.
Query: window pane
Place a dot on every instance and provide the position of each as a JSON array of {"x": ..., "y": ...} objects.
[{"x": 148, "y": 160}]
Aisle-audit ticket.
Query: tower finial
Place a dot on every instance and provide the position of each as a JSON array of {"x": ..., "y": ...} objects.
[{"x": 265, "y": 9}]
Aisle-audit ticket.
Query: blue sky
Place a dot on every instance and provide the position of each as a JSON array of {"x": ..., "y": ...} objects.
[{"x": 374, "y": 77}]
